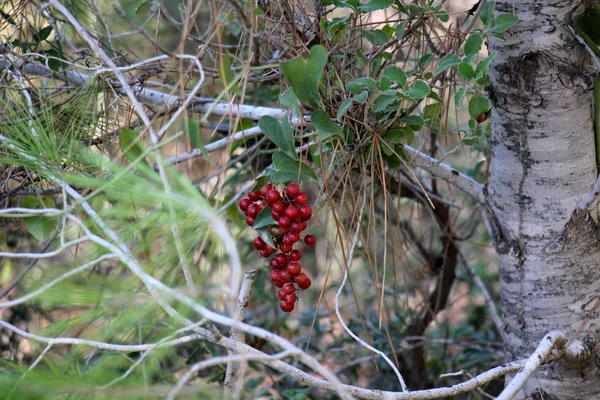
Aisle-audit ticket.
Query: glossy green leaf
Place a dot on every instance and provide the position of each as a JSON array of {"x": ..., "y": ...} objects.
[
  {"x": 264, "y": 219},
  {"x": 414, "y": 121},
  {"x": 419, "y": 90},
  {"x": 279, "y": 133},
  {"x": 304, "y": 75},
  {"x": 324, "y": 124},
  {"x": 288, "y": 99},
  {"x": 424, "y": 60},
  {"x": 503, "y": 22},
  {"x": 287, "y": 169},
  {"x": 39, "y": 227},
  {"x": 447, "y": 62},
  {"x": 473, "y": 44}
]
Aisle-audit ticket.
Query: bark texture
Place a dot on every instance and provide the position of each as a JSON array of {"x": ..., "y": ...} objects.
[{"x": 543, "y": 164}]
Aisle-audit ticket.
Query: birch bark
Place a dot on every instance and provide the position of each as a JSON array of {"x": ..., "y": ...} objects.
[{"x": 543, "y": 164}]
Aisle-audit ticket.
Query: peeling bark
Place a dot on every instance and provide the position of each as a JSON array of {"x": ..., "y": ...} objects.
[{"x": 543, "y": 164}]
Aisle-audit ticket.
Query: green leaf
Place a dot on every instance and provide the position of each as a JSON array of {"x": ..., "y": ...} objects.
[
  {"x": 483, "y": 66},
  {"x": 586, "y": 26},
  {"x": 257, "y": 11},
  {"x": 346, "y": 104},
  {"x": 487, "y": 14},
  {"x": 375, "y": 5},
  {"x": 458, "y": 97},
  {"x": 279, "y": 133},
  {"x": 288, "y": 169},
  {"x": 447, "y": 62},
  {"x": 42, "y": 34},
  {"x": 396, "y": 75},
  {"x": 265, "y": 235},
  {"x": 382, "y": 102},
  {"x": 466, "y": 70},
  {"x": 473, "y": 44},
  {"x": 419, "y": 90},
  {"x": 361, "y": 98},
  {"x": 478, "y": 105},
  {"x": 39, "y": 227},
  {"x": 400, "y": 29},
  {"x": 414, "y": 121},
  {"x": 385, "y": 83},
  {"x": 503, "y": 22},
  {"x": 288, "y": 99},
  {"x": 423, "y": 61},
  {"x": 226, "y": 74},
  {"x": 472, "y": 124},
  {"x": 324, "y": 124},
  {"x": 470, "y": 140},
  {"x": 304, "y": 75},
  {"x": 399, "y": 135},
  {"x": 376, "y": 37},
  {"x": 130, "y": 145},
  {"x": 432, "y": 110},
  {"x": 366, "y": 83},
  {"x": 264, "y": 219}
]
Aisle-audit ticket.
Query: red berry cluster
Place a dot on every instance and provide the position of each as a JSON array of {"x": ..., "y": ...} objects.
[{"x": 290, "y": 211}]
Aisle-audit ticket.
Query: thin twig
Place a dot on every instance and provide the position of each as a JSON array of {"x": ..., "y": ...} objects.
[{"x": 235, "y": 371}]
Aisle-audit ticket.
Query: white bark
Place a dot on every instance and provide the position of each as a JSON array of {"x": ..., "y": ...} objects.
[{"x": 543, "y": 165}]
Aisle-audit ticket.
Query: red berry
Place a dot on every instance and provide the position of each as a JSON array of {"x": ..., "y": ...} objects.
[
  {"x": 265, "y": 189},
  {"x": 302, "y": 198},
  {"x": 291, "y": 212},
  {"x": 295, "y": 255},
  {"x": 294, "y": 268},
  {"x": 274, "y": 264},
  {"x": 286, "y": 230},
  {"x": 297, "y": 226},
  {"x": 284, "y": 222},
  {"x": 253, "y": 210},
  {"x": 273, "y": 197},
  {"x": 305, "y": 212},
  {"x": 244, "y": 203},
  {"x": 292, "y": 190},
  {"x": 279, "y": 207},
  {"x": 279, "y": 283},
  {"x": 262, "y": 205},
  {"x": 282, "y": 260},
  {"x": 302, "y": 281},
  {"x": 304, "y": 226},
  {"x": 290, "y": 298},
  {"x": 285, "y": 276},
  {"x": 249, "y": 221},
  {"x": 281, "y": 294},
  {"x": 275, "y": 231},
  {"x": 285, "y": 247},
  {"x": 293, "y": 237},
  {"x": 275, "y": 275},
  {"x": 254, "y": 196},
  {"x": 259, "y": 243},
  {"x": 286, "y": 307},
  {"x": 275, "y": 215},
  {"x": 310, "y": 240},
  {"x": 265, "y": 253},
  {"x": 288, "y": 288},
  {"x": 270, "y": 249}
]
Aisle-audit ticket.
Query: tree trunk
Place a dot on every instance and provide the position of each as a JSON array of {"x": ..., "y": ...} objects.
[{"x": 543, "y": 165}]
